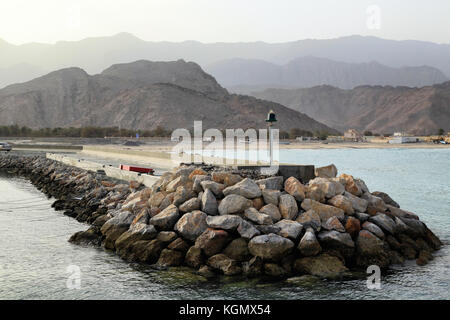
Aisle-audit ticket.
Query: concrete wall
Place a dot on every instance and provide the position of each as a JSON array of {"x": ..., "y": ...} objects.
[{"x": 112, "y": 172}]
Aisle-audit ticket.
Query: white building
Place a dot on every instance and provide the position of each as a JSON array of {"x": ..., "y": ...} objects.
[{"x": 403, "y": 139}]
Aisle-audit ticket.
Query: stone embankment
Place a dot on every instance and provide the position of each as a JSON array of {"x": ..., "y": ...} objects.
[{"x": 236, "y": 222}]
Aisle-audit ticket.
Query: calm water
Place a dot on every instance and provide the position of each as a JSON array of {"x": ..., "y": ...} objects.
[{"x": 35, "y": 254}]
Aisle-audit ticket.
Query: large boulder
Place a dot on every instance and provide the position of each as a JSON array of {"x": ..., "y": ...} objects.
[
  {"x": 323, "y": 266},
  {"x": 234, "y": 203},
  {"x": 145, "y": 251},
  {"x": 271, "y": 196},
  {"x": 274, "y": 183},
  {"x": 328, "y": 187},
  {"x": 238, "y": 250},
  {"x": 295, "y": 188},
  {"x": 373, "y": 228},
  {"x": 212, "y": 241},
  {"x": 198, "y": 179},
  {"x": 311, "y": 219},
  {"x": 138, "y": 231},
  {"x": 191, "y": 205},
  {"x": 309, "y": 246},
  {"x": 246, "y": 188},
  {"x": 386, "y": 223},
  {"x": 191, "y": 225},
  {"x": 288, "y": 206},
  {"x": 375, "y": 204},
  {"x": 247, "y": 230},
  {"x": 255, "y": 216},
  {"x": 324, "y": 211},
  {"x": 343, "y": 203},
  {"x": 358, "y": 204},
  {"x": 216, "y": 188},
  {"x": 333, "y": 223},
  {"x": 226, "y": 222},
  {"x": 156, "y": 199},
  {"x": 270, "y": 247},
  {"x": 329, "y": 171},
  {"x": 370, "y": 250},
  {"x": 182, "y": 194},
  {"x": 289, "y": 229},
  {"x": 350, "y": 185},
  {"x": 225, "y": 264},
  {"x": 209, "y": 203},
  {"x": 170, "y": 258},
  {"x": 386, "y": 198},
  {"x": 339, "y": 241},
  {"x": 166, "y": 219},
  {"x": 177, "y": 182},
  {"x": 352, "y": 226},
  {"x": 272, "y": 211},
  {"x": 194, "y": 257}
]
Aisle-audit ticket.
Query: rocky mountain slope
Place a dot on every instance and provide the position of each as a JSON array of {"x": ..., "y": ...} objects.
[
  {"x": 96, "y": 54},
  {"x": 380, "y": 109},
  {"x": 140, "y": 95},
  {"x": 243, "y": 75}
]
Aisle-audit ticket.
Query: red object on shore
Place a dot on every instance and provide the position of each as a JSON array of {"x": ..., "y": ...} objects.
[{"x": 136, "y": 169}]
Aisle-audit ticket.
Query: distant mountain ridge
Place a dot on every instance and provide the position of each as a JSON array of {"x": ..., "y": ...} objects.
[
  {"x": 96, "y": 54},
  {"x": 381, "y": 109},
  {"x": 243, "y": 75},
  {"x": 139, "y": 95}
]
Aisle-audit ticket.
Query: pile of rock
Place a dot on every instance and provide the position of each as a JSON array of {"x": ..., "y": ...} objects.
[{"x": 221, "y": 221}]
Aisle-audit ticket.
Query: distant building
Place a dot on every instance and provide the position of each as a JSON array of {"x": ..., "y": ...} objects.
[
  {"x": 353, "y": 135},
  {"x": 404, "y": 139}
]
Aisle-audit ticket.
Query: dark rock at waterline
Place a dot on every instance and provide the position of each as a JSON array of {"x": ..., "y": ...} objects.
[{"x": 91, "y": 236}]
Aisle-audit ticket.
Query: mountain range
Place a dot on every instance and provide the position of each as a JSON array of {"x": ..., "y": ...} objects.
[
  {"x": 246, "y": 75},
  {"x": 96, "y": 54},
  {"x": 139, "y": 95},
  {"x": 381, "y": 109}
]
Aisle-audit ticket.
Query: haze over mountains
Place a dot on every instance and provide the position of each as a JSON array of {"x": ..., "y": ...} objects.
[
  {"x": 379, "y": 109},
  {"x": 139, "y": 95},
  {"x": 246, "y": 75},
  {"x": 96, "y": 54}
]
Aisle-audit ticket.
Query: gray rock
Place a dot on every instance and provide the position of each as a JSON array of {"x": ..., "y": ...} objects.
[
  {"x": 270, "y": 247},
  {"x": 272, "y": 211},
  {"x": 166, "y": 219},
  {"x": 255, "y": 216},
  {"x": 373, "y": 228},
  {"x": 234, "y": 203},
  {"x": 238, "y": 250},
  {"x": 247, "y": 230},
  {"x": 191, "y": 225},
  {"x": 212, "y": 241},
  {"x": 246, "y": 188},
  {"x": 198, "y": 180},
  {"x": 333, "y": 223},
  {"x": 267, "y": 229},
  {"x": 190, "y": 205},
  {"x": 384, "y": 222},
  {"x": 309, "y": 246},
  {"x": 375, "y": 204},
  {"x": 288, "y": 207},
  {"x": 225, "y": 264},
  {"x": 323, "y": 266},
  {"x": 311, "y": 219},
  {"x": 289, "y": 229},
  {"x": 226, "y": 222},
  {"x": 216, "y": 188},
  {"x": 329, "y": 171},
  {"x": 337, "y": 240},
  {"x": 209, "y": 203},
  {"x": 359, "y": 204},
  {"x": 386, "y": 198},
  {"x": 271, "y": 196},
  {"x": 363, "y": 217},
  {"x": 370, "y": 250},
  {"x": 274, "y": 183}
]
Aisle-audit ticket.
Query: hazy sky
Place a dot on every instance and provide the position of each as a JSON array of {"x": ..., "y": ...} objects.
[{"x": 23, "y": 21}]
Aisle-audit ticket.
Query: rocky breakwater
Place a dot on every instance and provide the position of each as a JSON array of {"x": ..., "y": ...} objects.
[{"x": 237, "y": 222}]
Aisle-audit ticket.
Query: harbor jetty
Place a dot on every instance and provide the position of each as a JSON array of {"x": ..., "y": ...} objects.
[{"x": 220, "y": 220}]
